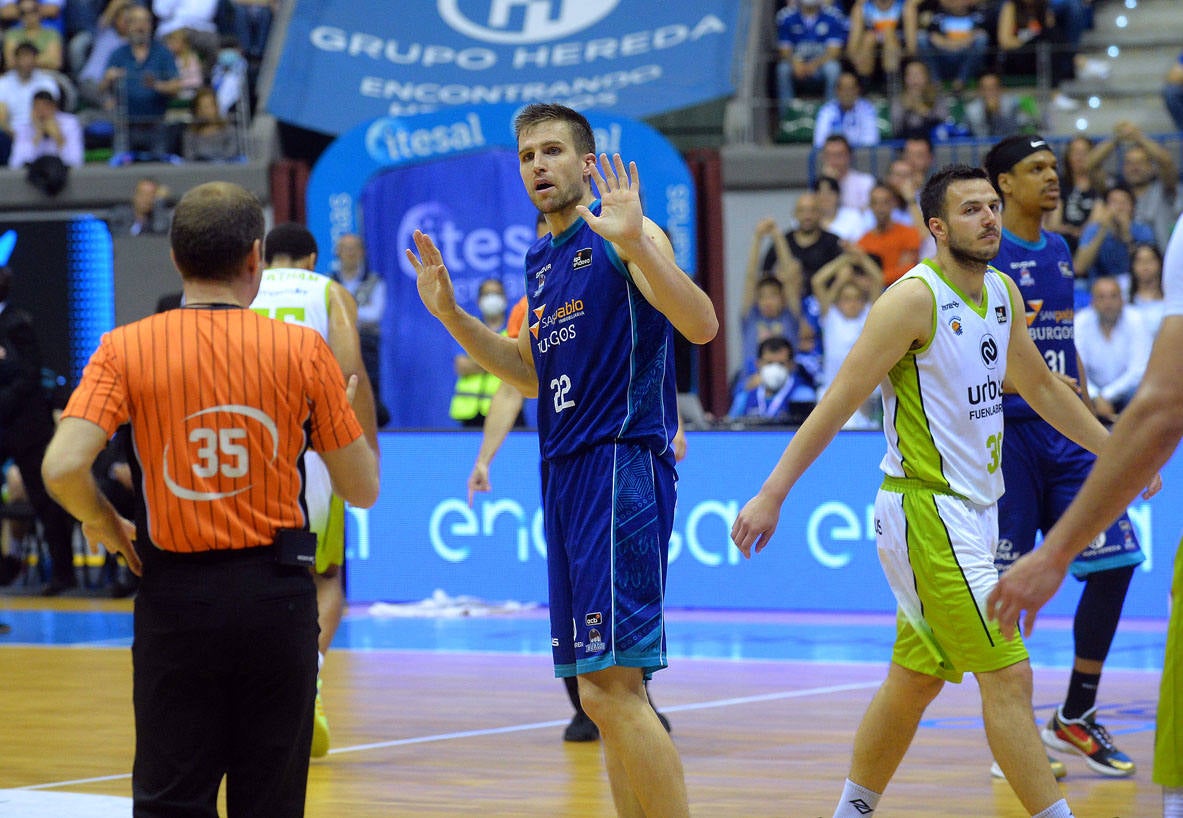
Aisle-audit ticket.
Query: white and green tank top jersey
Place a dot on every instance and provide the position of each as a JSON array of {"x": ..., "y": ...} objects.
[
  {"x": 295, "y": 295},
  {"x": 302, "y": 297},
  {"x": 943, "y": 402}
]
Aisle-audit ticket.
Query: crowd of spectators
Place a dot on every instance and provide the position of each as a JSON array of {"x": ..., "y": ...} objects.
[
  {"x": 135, "y": 76},
  {"x": 808, "y": 286},
  {"x": 911, "y": 73},
  {"x": 852, "y": 235},
  {"x": 926, "y": 60}
]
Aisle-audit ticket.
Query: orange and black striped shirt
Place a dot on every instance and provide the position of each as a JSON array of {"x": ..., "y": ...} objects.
[{"x": 222, "y": 404}]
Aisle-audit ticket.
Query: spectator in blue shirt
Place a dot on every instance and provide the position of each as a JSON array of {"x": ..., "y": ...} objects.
[
  {"x": 810, "y": 41},
  {"x": 782, "y": 388},
  {"x": 1109, "y": 237},
  {"x": 143, "y": 75},
  {"x": 849, "y": 114}
]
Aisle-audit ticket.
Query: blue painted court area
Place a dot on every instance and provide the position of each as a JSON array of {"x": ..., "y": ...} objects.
[{"x": 702, "y": 634}]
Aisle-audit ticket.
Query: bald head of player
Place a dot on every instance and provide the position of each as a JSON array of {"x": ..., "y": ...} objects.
[{"x": 290, "y": 245}]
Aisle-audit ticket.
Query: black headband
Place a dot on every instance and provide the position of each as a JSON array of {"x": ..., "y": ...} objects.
[{"x": 1007, "y": 155}]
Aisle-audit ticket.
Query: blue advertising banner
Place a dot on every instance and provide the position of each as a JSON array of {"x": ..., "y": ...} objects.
[
  {"x": 344, "y": 62},
  {"x": 481, "y": 236},
  {"x": 455, "y": 176},
  {"x": 422, "y": 536}
]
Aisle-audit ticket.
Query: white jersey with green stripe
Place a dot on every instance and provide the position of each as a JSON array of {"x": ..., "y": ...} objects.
[
  {"x": 295, "y": 295},
  {"x": 301, "y": 296},
  {"x": 943, "y": 402}
]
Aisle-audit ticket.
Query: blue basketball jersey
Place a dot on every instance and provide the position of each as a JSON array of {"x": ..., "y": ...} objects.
[
  {"x": 604, "y": 355},
  {"x": 1043, "y": 271}
]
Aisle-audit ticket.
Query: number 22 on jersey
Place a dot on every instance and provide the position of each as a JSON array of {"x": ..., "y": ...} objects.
[{"x": 560, "y": 386}]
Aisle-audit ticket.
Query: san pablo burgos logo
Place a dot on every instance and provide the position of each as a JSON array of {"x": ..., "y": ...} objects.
[{"x": 517, "y": 22}]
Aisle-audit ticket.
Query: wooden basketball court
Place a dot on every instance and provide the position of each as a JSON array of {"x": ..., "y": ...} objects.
[{"x": 477, "y": 732}]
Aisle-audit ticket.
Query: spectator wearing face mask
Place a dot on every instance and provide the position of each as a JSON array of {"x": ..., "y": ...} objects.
[
  {"x": 783, "y": 386},
  {"x": 474, "y": 386}
]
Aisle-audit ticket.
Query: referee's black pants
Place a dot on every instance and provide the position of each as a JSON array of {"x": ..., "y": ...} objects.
[{"x": 225, "y": 665}]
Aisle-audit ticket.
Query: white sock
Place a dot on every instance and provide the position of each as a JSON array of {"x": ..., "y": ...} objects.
[
  {"x": 1172, "y": 802},
  {"x": 1059, "y": 809},
  {"x": 857, "y": 802},
  {"x": 320, "y": 662}
]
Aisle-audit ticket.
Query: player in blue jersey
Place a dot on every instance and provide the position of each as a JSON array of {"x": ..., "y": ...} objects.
[
  {"x": 604, "y": 295},
  {"x": 1042, "y": 469},
  {"x": 1144, "y": 438}
]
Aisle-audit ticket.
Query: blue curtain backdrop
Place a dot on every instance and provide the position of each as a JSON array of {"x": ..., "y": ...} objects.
[{"x": 475, "y": 210}]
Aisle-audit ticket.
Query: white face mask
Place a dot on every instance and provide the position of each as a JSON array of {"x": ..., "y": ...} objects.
[
  {"x": 773, "y": 376},
  {"x": 491, "y": 304}
]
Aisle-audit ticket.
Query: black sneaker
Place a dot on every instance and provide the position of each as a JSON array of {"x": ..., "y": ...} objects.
[
  {"x": 1091, "y": 740},
  {"x": 581, "y": 728}
]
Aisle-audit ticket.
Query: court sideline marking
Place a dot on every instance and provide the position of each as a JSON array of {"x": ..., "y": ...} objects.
[{"x": 518, "y": 728}]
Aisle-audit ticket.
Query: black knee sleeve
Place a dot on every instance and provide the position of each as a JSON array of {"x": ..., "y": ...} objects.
[{"x": 1098, "y": 612}]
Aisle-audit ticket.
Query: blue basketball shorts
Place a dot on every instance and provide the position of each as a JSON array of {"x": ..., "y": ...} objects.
[
  {"x": 608, "y": 512},
  {"x": 1043, "y": 472}
]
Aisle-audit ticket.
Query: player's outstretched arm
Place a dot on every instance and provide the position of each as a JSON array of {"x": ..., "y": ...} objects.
[
  {"x": 495, "y": 353},
  {"x": 503, "y": 413},
  {"x": 645, "y": 249},
  {"x": 900, "y": 320},
  {"x": 1143, "y": 439}
]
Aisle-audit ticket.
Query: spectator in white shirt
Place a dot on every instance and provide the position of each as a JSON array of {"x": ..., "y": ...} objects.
[
  {"x": 845, "y": 289},
  {"x": 854, "y": 184},
  {"x": 849, "y": 114},
  {"x": 846, "y": 223},
  {"x": 49, "y": 132},
  {"x": 18, "y": 84},
  {"x": 1114, "y": 347}
]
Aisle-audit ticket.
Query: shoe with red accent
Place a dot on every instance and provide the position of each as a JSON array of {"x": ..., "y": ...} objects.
[{"x": 1088, "y": 738}]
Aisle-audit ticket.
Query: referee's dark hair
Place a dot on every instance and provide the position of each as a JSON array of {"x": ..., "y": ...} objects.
[{"x": 288, "y": 239}]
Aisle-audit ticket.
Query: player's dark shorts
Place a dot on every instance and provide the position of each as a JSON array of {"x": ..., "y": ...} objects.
[
  {"x": 1044, "y": 471},
  {"x": 609, "y": 512}
]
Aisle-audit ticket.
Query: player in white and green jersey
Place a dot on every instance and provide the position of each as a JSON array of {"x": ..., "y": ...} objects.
[
  {"x": 302, "y": 296},
  {"x": 291, "y": 291},
  {"x": 940, "y": 342},
  {"x": 943, "y": 422}
]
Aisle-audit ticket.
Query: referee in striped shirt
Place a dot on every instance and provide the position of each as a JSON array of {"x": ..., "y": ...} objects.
[{"x": 222, "y": 403}]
